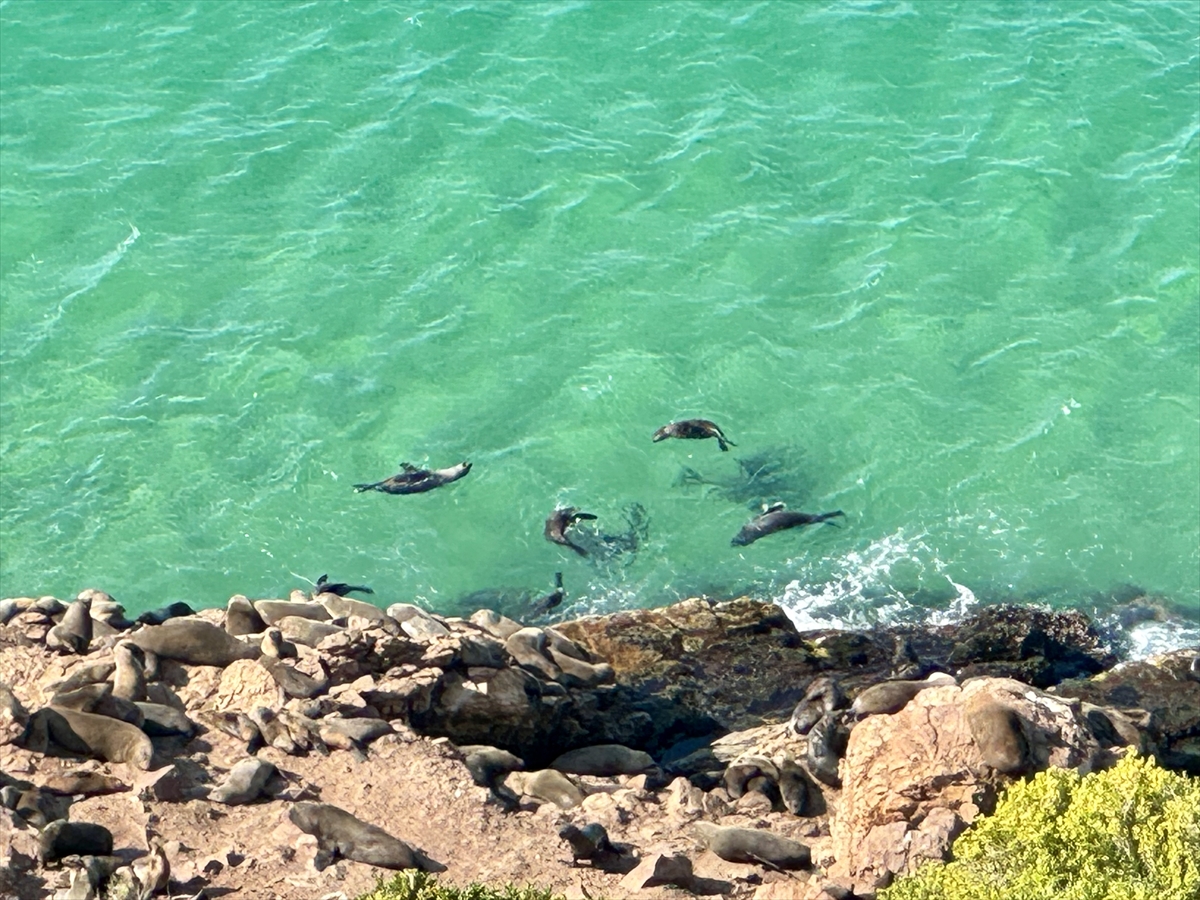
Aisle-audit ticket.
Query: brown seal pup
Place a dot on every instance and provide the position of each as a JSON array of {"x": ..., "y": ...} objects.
[
  {"x": 559, "y": 521},
  {"x": 416, "y": 481},
  {"x": 193, "y": 641},
  {"x": 693, "y": 429},
  {"x": 342, "y": 836},
  {"x": 107, "y": 738},
  {"x": 775, "y": 518}
]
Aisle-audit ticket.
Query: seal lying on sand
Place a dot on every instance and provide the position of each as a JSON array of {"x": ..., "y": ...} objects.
[
  {"x": 325, "y": 586},
  {"x": 776, "y": 518},
  {"x": 412, "y": 480},
  {"x": 693, "y": 429},
  {"x": 559, "y": 521}
]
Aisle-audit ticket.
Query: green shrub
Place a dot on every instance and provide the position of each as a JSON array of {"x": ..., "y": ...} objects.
[
  {"x": 1129, "y": 833},
  {"x": 412, "y": 884}
]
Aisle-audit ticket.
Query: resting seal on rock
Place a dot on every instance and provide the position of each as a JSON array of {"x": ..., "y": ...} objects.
[
  {"x": 998, "y": 732},
  {"x": 193, "y": 641},
  {"x": 129, "y": 678},
  {"x": 74, "y": 632},
  {"x": 693, "y": 429},
  {"x": 416, "y": 481},
  {"x": 776, "y": 518},
  {"x": 890, "y": 697},
  {"x": 750, "y": 845},
  {"x": 241, "y": 617},
  {"x": 342, "y": 836},
  {"x": 106, "y": 738}
]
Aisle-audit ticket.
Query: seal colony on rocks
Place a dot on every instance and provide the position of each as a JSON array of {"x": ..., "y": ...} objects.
[
  {"x": 412, "y": 480},
  {"x": 385, "y": 719}
]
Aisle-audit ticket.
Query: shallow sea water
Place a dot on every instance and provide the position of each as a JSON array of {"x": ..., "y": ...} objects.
[{"x": 934, "y": 264}]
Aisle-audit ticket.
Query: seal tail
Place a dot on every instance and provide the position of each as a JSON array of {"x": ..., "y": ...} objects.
[
  {"x": 827, "y": 517},
  {"x": 359, "y": 488},
  {"x": 724, "y": 443}
]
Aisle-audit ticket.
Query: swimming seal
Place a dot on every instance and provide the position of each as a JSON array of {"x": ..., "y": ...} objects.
[
  {"x": 559, "y": 521},
  {"x": 412, "y": 480},
  {"x": 694, "y": 429},
  {"x": 552, "y": 599},
  {"x": 342, "y": 836},
  {"x": 776, "y": 518},
  {"x": 325, "y": 586}
]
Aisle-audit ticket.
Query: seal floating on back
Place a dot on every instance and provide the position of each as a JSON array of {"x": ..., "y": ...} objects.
[
  {"x": 559, "y": 521},
  {"x": 411, "y": 480},
  {"x": 776, "y": 518},
  {"x": 694, "y": 429}
]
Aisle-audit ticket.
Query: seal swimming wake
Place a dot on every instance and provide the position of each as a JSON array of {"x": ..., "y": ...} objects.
[
  {"x": 776, "y": 518},
  {"x": 411, "y": 480},
  {"x": 693, "y": 429},
  {"x": 559, "y": 521}
]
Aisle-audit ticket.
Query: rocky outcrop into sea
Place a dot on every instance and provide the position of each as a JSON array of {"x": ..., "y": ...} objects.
[{"x": 300, "y": 747}]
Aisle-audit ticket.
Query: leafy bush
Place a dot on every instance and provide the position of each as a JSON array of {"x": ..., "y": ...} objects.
[
  {"x": 412, "y": 884},
  {"x": 1129, "y": 833}
]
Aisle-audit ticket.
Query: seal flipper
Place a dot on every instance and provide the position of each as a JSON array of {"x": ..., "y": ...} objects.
[{"x": 408, "y": 467}]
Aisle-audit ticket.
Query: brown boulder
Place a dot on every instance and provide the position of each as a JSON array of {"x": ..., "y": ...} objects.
[{"x": 925, "y": 765}]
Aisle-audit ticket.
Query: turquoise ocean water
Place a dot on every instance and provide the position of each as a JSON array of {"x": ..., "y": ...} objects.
[{"x": 934, "y": 264}]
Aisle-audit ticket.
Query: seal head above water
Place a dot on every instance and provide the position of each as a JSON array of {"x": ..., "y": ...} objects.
[
  {"x": 411, "y": 480},
  {"x": 694, "y": 429}
]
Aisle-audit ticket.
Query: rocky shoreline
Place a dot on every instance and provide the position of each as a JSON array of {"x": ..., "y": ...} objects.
[{"x": 299, "y": 748}]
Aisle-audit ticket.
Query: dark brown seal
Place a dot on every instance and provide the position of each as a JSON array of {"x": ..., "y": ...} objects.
[
  {"x": 325, "y": 586},
  {"x": 342, "y": 836},
  {"x": 551, "y": 600},
  {"x": 776, "y": 518},
  {"x": 412, "y": 480},
  {"x": 694, "y": 429},
  {"x": 559, "y": 521}
]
